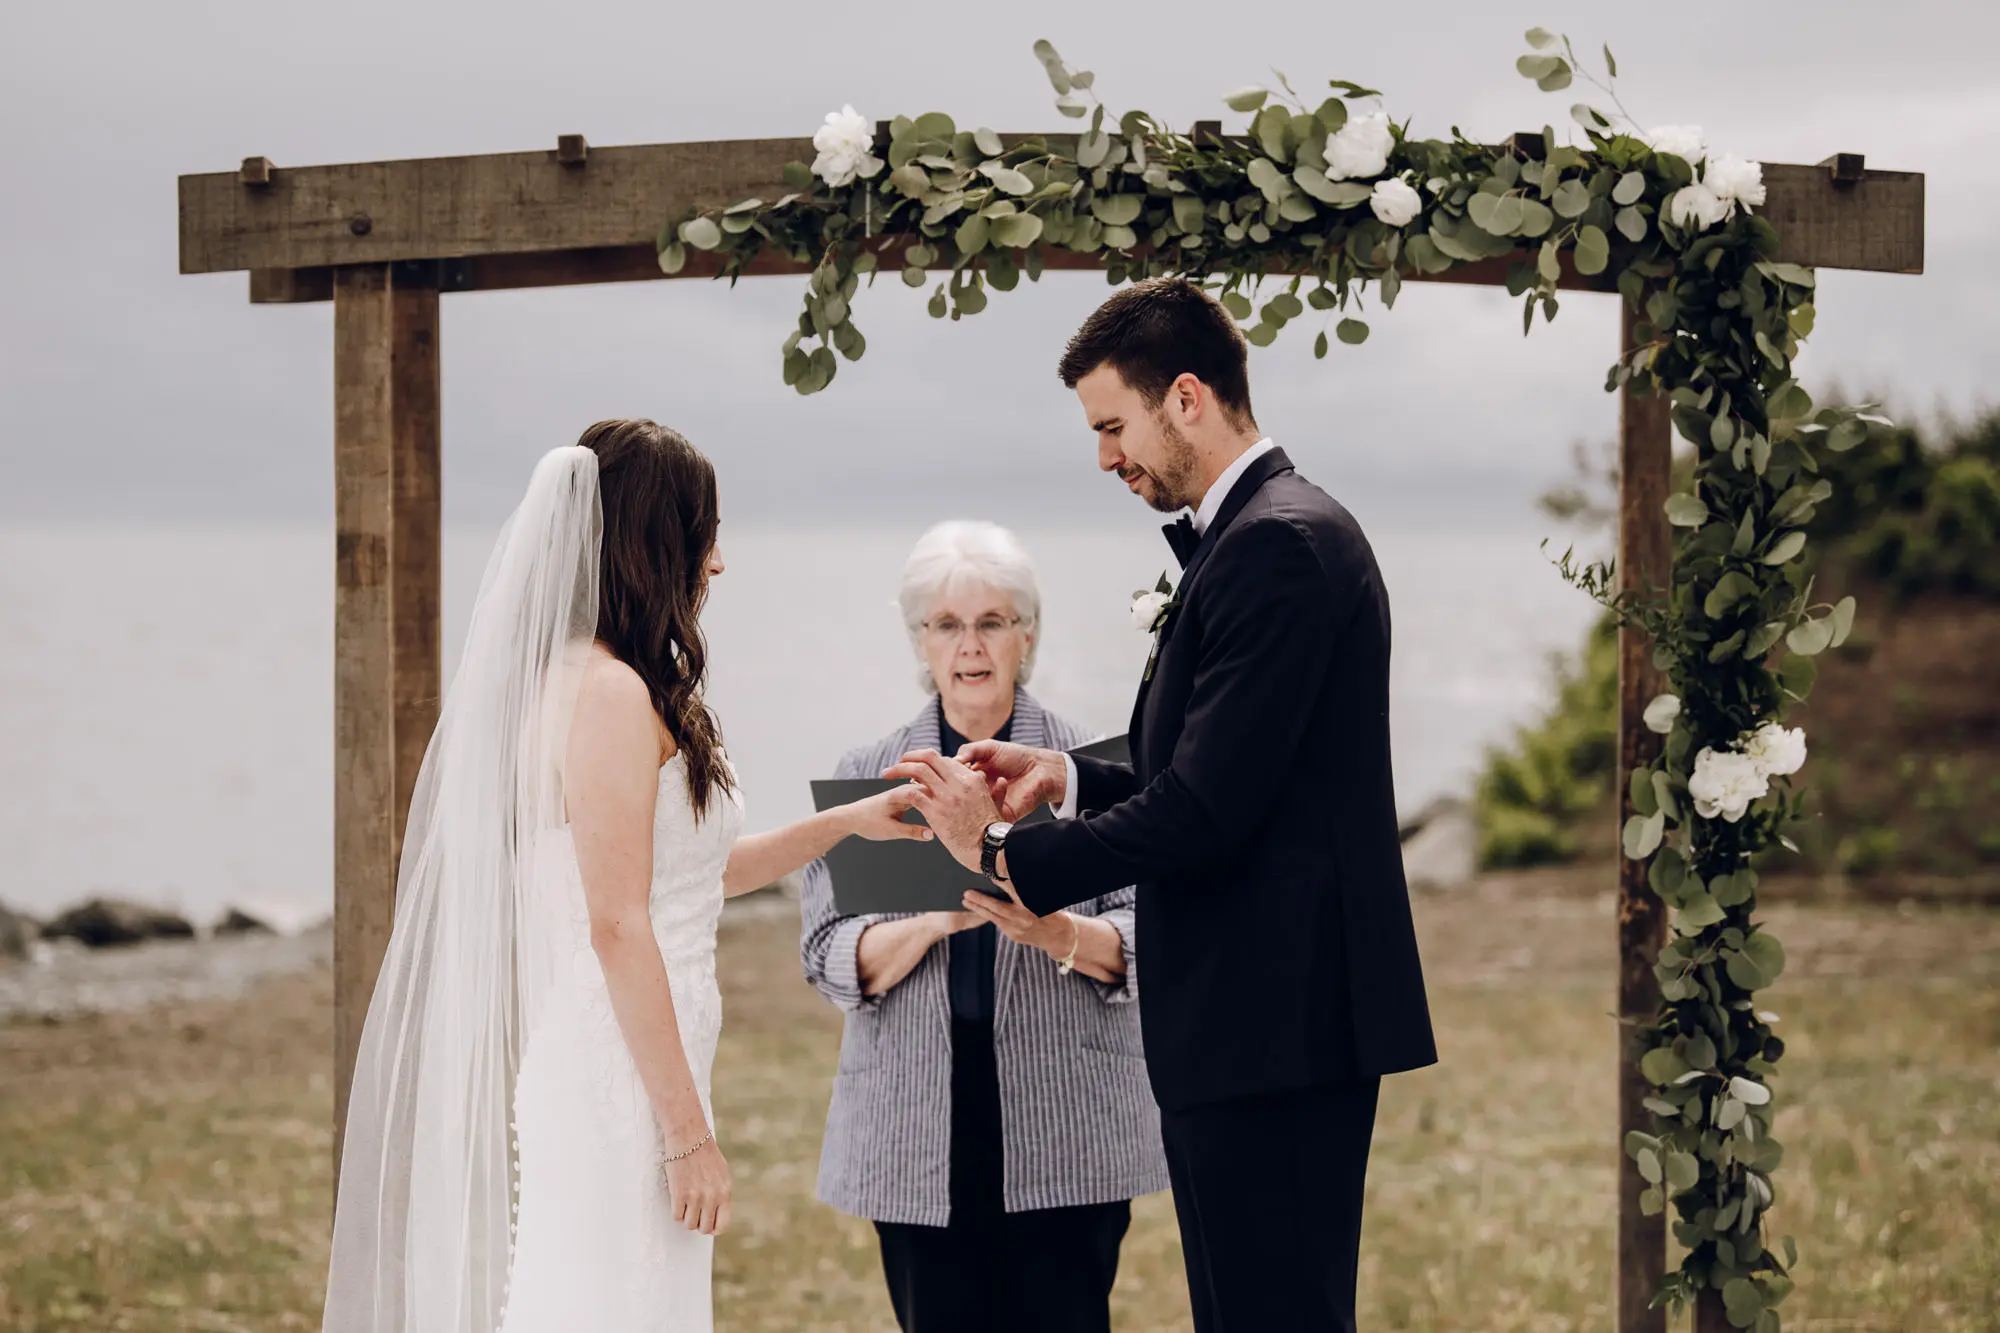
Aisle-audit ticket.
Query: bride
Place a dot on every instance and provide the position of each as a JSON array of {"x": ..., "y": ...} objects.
[{"x": 529, "y": 1145}]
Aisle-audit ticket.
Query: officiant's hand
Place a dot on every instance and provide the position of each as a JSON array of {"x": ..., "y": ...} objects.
[
  {"x": 952, "y": 798},
  {"x": 1019, "y": 776}
]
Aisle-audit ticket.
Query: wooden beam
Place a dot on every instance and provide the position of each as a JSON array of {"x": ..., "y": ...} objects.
[
  {"x": 1645, "y": 554},
  {"x": 515, "y": 204},
  {"x": 571, "y": 268},
  {"x": 387, "y": 659}
]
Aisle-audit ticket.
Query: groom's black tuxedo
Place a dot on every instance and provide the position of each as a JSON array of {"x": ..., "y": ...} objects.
[{"x": 1258, "y": 820}]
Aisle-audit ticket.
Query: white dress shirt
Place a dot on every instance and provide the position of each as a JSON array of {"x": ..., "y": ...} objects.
[{"x": 1204, "y": 514}]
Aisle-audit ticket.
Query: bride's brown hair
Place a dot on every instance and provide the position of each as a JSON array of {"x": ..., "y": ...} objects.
[{"x": 660, "y": 517}]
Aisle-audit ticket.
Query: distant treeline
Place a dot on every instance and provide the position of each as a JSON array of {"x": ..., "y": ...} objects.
[{"x": 1912, "y": 516}]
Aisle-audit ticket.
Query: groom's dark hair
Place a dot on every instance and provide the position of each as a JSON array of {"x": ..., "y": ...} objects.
[{"x": 1153, "y": 332}]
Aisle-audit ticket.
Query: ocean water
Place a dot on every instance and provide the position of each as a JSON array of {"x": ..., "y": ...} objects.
[{"x": 166, "y": 693}]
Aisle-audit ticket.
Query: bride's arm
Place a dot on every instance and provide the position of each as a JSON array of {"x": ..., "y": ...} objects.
[
  {"x": 759, "y": 858},
  {"x": 612, "y": 782}
]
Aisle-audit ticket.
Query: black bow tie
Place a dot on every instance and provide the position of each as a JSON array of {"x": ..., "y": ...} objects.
[{"x": 1183, "y": 538}]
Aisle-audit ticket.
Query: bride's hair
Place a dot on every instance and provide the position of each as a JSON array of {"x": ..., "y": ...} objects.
[{"x": 660, "y": 516}]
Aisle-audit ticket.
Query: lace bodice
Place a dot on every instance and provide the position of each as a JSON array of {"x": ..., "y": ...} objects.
[{"x": 689, "y": 856}]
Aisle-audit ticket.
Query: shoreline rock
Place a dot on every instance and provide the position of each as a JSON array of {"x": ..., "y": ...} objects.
[
  {"x": 108, "y": 922},
  {"x": 19, "y": 934}
]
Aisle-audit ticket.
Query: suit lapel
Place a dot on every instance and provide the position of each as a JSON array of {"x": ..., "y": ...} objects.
[{"x": 1265, "y": 466}]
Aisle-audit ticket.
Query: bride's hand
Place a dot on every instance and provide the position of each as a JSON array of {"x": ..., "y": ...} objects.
[
  {"x": 880, "y": 818},
  {"x": 698, "y": 1190}
]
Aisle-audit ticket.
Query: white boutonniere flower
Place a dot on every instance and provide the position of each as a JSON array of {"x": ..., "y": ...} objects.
[{"x": 1150, "y": 613}]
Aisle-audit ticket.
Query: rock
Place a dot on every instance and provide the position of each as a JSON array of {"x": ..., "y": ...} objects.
[
  {"x": 103, "y": 922},
  {"x": 236, "y": 921},
  {"x": 1444, "y": 849},
  {"x": 19, "y": 934}
]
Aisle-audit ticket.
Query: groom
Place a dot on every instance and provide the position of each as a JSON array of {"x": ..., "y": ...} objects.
[{"x": 1258, "y": 819}]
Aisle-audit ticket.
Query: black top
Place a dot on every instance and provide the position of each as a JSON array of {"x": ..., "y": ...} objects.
[
  {"x": 1259, "y": 800},
  {"x": 972, "y": 951}
]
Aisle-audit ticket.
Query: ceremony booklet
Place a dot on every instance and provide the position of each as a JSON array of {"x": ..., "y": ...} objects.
[{"x": 909, "y": 876}]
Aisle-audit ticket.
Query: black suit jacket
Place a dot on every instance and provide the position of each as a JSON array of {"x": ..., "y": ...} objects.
[{"x": 1259, "y": 817}]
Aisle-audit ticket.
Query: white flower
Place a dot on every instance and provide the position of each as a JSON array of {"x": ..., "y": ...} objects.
[
  {"x": 1660, "y": 714},
  {"x": 1396, "y": 201},
  {"x": 1147, "y": 608},
  {"x": 1360, "y": 149},
  {"x": 1725, "y": 783},
  {"x": 1697, "y": 208},
  {"x": 1735, "y": 180},
  {"x": 843, "y": 144},
  {"x": 1777, "y": 751},
  {"x": 1682, "y": 141}
]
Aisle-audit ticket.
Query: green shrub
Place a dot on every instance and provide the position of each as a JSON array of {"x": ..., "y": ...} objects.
[{"x": 1557, "y": 769}]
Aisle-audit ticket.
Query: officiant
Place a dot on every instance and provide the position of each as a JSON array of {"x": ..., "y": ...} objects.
[{"x": 991, "y": 1113}]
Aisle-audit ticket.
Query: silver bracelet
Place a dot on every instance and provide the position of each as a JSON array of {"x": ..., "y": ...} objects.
[
  {"x": 700, "y": 1143},
  {"x": 1064, "y": 966}
]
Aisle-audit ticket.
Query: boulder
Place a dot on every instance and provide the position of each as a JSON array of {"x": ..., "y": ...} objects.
[
  {"x": 104, "y": 922},
  {"x": 1444, "y": 849},
  {"x": 19, "y": 934},
  {"x": 236, "y": 921}
]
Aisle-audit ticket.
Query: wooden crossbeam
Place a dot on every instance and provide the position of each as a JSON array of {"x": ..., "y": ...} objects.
[{"x": 569, "y": 215}]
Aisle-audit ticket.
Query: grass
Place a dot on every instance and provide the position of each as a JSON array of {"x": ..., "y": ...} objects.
[{"x": 169, "y": 1170}]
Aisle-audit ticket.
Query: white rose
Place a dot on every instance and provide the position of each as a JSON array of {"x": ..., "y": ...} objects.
[
  {"x": 1396, "y": 201},
  {"x": 1725, "y": 783},
  {"x": 1660, "y": 714},
  {"x": 1682, "y": 141},
  {"x": 1146, "y": 608},
  {"x": 1777, "y": 751},
  {"x": 844, "y": 143},
  {"x": 1360, "y": 148},
  {"x": 1697, "y": 208},
  {"x": 1731, "y": 178}
]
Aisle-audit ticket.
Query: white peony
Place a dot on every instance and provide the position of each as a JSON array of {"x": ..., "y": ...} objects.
[
  {"x": 844, "y": 143},
  {"x": 1359, "y": 150},
  {"x": 1146, "y": 609},
  {"x": 1682, "y": 141},
  {"x": 1697, "y": 208},
  {"x": 1396, "y": 201},
  {"x": 1735, "y": 180},
  {"x": 1660, "y": 714},
  {"x": 1725, "y": 783},
  {"x": 1777, "y": 751}
]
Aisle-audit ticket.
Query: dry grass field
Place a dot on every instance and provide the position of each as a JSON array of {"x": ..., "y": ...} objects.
[{"x": 169, "y": 1170}]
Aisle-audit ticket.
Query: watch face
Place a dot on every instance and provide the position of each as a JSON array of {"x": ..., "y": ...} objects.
[{"x": 998, "y": 832}]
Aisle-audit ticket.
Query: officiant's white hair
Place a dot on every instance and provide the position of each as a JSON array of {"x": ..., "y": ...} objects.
[{"x": 960, "y": 552}]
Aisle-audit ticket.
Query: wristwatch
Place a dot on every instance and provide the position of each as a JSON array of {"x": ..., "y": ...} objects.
[{"x": 990, "y": 843}]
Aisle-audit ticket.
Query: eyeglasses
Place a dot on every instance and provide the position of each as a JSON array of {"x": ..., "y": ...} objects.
[{"x": 949, "y": 629}]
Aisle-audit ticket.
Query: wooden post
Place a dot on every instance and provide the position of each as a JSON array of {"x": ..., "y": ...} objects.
[
  {"x": 387, "y": 658},
  {"x": 1645, "y": 552}
]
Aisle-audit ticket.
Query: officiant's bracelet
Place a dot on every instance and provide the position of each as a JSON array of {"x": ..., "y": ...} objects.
[
  {"x": 699, "y": 1144},
  {"x": 1066, "y": 965}
]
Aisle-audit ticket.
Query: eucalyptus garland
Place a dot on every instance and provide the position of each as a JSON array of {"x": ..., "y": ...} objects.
[{"x": 1345, "y": 202}]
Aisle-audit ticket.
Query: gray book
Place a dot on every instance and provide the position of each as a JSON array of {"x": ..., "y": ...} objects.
[{"x": 909, "y": 876}]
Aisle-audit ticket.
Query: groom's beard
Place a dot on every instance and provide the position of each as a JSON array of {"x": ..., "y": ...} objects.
[{"x": 1174, "y": 479}]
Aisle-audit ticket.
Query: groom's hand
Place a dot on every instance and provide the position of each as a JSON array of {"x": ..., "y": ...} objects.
[
  {"x": 1019, "y": 776},
  {"x": 953, "y": 800}
]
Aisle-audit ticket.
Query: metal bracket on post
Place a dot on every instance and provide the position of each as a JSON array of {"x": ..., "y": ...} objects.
[{"x": 1846, "y": 169}]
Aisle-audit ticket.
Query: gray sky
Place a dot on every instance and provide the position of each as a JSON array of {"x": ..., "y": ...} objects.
[{"x": 127, "y": 390}]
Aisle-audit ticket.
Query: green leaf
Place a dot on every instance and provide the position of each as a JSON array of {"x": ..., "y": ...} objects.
[
  {"x": 934, "y": 125},
  {"x": 1843, "y": 620},
  {"x": 987, "y": 142},
  {"x": 1120, "y": 238},
  {"x": 1261, "y": 335},
  {"x": 1314, "y": 182},
  {"x": 972, "y": 234},
  {"x": 1092, "y": 149},
  {"x": 1541, "y": 38},
  {"x": 1247, "y": 99},
  {"x": 1610, "y": 65},
  {"x": 1662, "y": 1065},
  {"x": 1641, "y": 836},
  {"x": 1117, "y": 210},
  {"x": 1730, "y": 589},
  {"x": 914, "y": 276},
  {"x": 1237, "y": 304},
  {"x": 798, "y": 176},
  {"x": 1649, "y": 1165},
  {"x": 1629, "y": 189},
  {"x": 1686, "y": 511},
  {"x": 1320, "y": 345},
  {"x": 1537, "y": 67},
  {"x": 1593, "y": 251},
  {"x": 1786, "y": 547},
  {"x": 1639, "y": 790},
  {"x": 1549, "y": 262},
  {"x": 1017, "y": 231},
  {"x": 1556, "y": 79},
  {"x": 673, "y": 258},
  {"x": 702, "y": 233},
  {"x": 1789, "y": 402},
  {"x": 1008, "y": 179},
  {"x": 937, "y": 303},
  {"x": 1682, "y": 1172},
  {"x": 1810, "y": 638},
  {"x": 1572, "y": 199},
  {"x": 1352, "y": 332},
  {"x": 1699, "y": 912},
  {"x": 1846, "y": 435}
]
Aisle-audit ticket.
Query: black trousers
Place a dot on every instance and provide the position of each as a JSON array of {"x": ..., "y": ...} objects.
[
  {"x": 1268, "y": 1190},
  {"x": 992, "y": 1271}
]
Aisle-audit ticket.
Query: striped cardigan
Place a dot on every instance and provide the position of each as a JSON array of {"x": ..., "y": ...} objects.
[{"x": 1078, "y": 1121}]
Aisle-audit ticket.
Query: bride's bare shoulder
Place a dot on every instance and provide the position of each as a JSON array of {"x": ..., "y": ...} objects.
[{"x": 613, "y": 698}]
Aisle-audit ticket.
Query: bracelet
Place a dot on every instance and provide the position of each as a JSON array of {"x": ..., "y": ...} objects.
[
  {"x": 1066, "y": 965},
  {"x": 699, "y": 1144}
]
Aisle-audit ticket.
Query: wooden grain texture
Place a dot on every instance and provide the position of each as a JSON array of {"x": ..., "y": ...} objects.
[
  {"x": 387, "y": 661},
  {"x": 531, "y": 203},
  {"x": 1645, "y": 552}
]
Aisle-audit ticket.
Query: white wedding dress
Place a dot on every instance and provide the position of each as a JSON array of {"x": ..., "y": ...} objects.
[{"x": 595, "y": 1247}]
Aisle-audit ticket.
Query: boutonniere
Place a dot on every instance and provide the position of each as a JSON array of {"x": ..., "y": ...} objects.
[{"x": 1150, "y": 613}]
